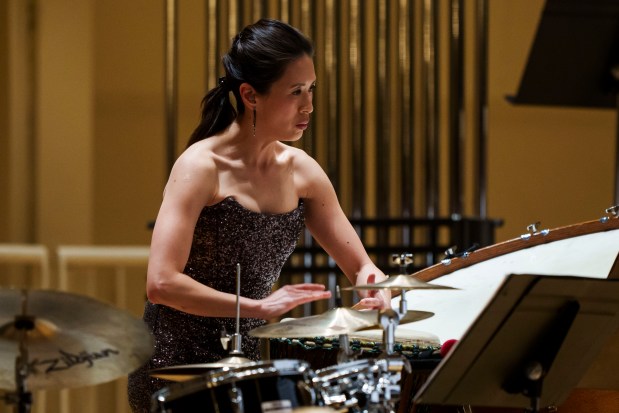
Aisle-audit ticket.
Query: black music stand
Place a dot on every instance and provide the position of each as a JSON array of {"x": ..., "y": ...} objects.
[
  {"x": 574, "y": 60},
  {"x": 530, "y": 346}
]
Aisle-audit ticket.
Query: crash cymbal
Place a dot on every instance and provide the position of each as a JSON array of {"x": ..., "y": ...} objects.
[
  {"x": 190, "y": 371},
  {"x": 401, "y": 282},
  {"x": 332, "y": 323},
  {"x": 72, "y": 340}
]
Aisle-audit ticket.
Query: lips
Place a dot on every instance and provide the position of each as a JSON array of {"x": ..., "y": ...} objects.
[{"x": 303, "y": 125}]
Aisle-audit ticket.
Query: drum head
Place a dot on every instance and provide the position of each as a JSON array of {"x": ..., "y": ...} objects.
[{"x": 587, "y": 250}]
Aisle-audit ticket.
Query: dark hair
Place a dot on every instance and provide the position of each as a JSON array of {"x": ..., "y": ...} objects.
[{"x": 259, "y": 55}]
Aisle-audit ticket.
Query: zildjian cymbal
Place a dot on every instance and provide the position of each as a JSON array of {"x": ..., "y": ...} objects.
[
  {"x": 70, "y": 340},
  {"x": 189, "y": 371},
  {"x": 401, "y": 282},
  {"x": 331, "y": 323}
]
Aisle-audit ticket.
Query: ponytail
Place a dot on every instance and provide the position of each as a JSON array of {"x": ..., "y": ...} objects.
[{"x": 217, "y": 113}]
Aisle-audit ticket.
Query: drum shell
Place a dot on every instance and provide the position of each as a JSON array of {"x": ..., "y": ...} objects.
[{"x": 257, "y": 383}]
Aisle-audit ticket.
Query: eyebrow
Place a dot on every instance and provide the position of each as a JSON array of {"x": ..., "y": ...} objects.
[{"x": 301, "y": 84}]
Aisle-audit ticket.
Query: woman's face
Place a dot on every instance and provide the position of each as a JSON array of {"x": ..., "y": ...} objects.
[{"x": 284, "y": 111}]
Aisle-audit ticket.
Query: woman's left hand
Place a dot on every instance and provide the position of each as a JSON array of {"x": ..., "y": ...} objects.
[{"x": 375, "y": 299}]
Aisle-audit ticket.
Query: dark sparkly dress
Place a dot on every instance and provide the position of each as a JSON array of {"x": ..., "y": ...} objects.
[{"x": 226, "y": 234}]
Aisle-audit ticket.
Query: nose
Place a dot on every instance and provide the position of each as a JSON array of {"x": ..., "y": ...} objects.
[{"x": 307, "y": 106}]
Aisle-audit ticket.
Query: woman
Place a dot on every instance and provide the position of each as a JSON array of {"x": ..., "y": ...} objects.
[{"x": 243, "y": 196}]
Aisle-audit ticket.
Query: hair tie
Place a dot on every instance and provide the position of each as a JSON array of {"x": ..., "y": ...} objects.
[{"x": 222, "y": 82}]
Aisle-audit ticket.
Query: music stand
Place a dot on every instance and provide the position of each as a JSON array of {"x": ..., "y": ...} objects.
[
  {"x": 530, "y": 346},
  {"x": 574, "y": 60}
]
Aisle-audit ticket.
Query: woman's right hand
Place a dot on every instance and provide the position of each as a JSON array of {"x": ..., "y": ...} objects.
[{"x": 290, "y": 296}]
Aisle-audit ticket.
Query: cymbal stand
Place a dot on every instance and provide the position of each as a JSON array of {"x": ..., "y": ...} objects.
[
  {"x": 236, "y": 337},
  {"x": 391, "y": 364},
  {"x": 235, "y": 347},
  {"x": 21, "y": 398},
  {"x": 344, "y": 353}
]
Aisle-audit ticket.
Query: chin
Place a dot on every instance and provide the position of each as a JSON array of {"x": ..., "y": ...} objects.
[{"x": 292, "y": 138}]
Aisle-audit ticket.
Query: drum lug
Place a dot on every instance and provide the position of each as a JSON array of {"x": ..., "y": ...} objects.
[
  {"x": 532, "y": 228},
  {"x": 236, "y": 397},
  {"x": 451, "y": 253},
  {"x": 403, "y": 261},
  {"x": 613, "y": 211}
]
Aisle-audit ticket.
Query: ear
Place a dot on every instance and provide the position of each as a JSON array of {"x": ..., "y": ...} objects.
[{"x": 248, "y": 95}]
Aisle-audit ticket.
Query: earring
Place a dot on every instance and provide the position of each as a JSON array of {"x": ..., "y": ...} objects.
[{"x": 254, "y": 121}]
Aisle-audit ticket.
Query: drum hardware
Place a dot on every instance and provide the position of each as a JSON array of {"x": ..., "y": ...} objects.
[
  {"x": 613, "y": 211},
  {"x": 532, "y": 228},
  {"x": 403, "y": 261},
  {"x": 389, "y": 319},
  {"x": 451, "y": 253},
  {"x": 52, "y": 339},
  {"x": 367, "y": 385},
  {"x": 344, "y": 353},
  {"x": 383, "y": 396},
  {"x": 234, "y": 340},
  {"x": 21, "y": 398}
]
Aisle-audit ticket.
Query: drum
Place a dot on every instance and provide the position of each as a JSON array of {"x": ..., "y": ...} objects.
[
  {"x": 590, "y": 249},
  {"x": 348, "y": 386},
  {"x": 276, "y": 386},
  {"x": 421, "y": 349}
]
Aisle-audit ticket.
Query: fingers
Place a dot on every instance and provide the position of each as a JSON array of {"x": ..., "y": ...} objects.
[
  {"x": 305, "y": 293},
  {"x": 313, "y": 296},
  {"x": 307, "y": 286},
  {"x": 373, "y": 303}
]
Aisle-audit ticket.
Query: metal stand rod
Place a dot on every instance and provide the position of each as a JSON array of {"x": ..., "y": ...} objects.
[{"x": 236, "y": 337}]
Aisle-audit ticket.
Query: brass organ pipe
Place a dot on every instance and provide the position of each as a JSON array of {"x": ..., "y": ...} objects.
[
  {"x": 430, "y": 108},
  {"x": 382, "y": 119},
  {"x": 456, "y": 105},
  {"x": 171, "y": 80},
  {"x": 356, "y": 13},
  {"x": 481, "y": 112},
  {"x": 407, "y": 53}
]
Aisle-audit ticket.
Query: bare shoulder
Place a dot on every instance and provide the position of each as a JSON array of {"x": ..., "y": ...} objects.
[
  {"x": 309, "y": 176},
  {"x": 303, "y": 162},
  {"x": 195, "y": 170}
]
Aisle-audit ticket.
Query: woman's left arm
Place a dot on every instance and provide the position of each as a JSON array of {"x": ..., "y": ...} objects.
[{"x": 329, "y": 225}]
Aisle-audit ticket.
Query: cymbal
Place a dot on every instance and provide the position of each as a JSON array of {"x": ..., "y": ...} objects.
[
  {"x": 410, "y": 317},
  {"x": 190, "y": 371},
  {"x": 74, "y": 340},
  {"x": 401, "y": 282},
  {"x": 332, "y": 323}
]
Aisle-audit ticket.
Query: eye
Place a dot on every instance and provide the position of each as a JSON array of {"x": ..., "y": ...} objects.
[
  {"x": 296, "y": 92},
  {"x": 312, "y": 88}
]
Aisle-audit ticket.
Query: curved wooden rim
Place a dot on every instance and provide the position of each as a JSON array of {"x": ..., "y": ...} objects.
[{"x": 516, "y": 244}]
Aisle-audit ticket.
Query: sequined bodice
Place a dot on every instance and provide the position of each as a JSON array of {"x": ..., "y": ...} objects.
[
  {"x": 225, "y": 234},
  {"x": 228, "y": 233}
]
